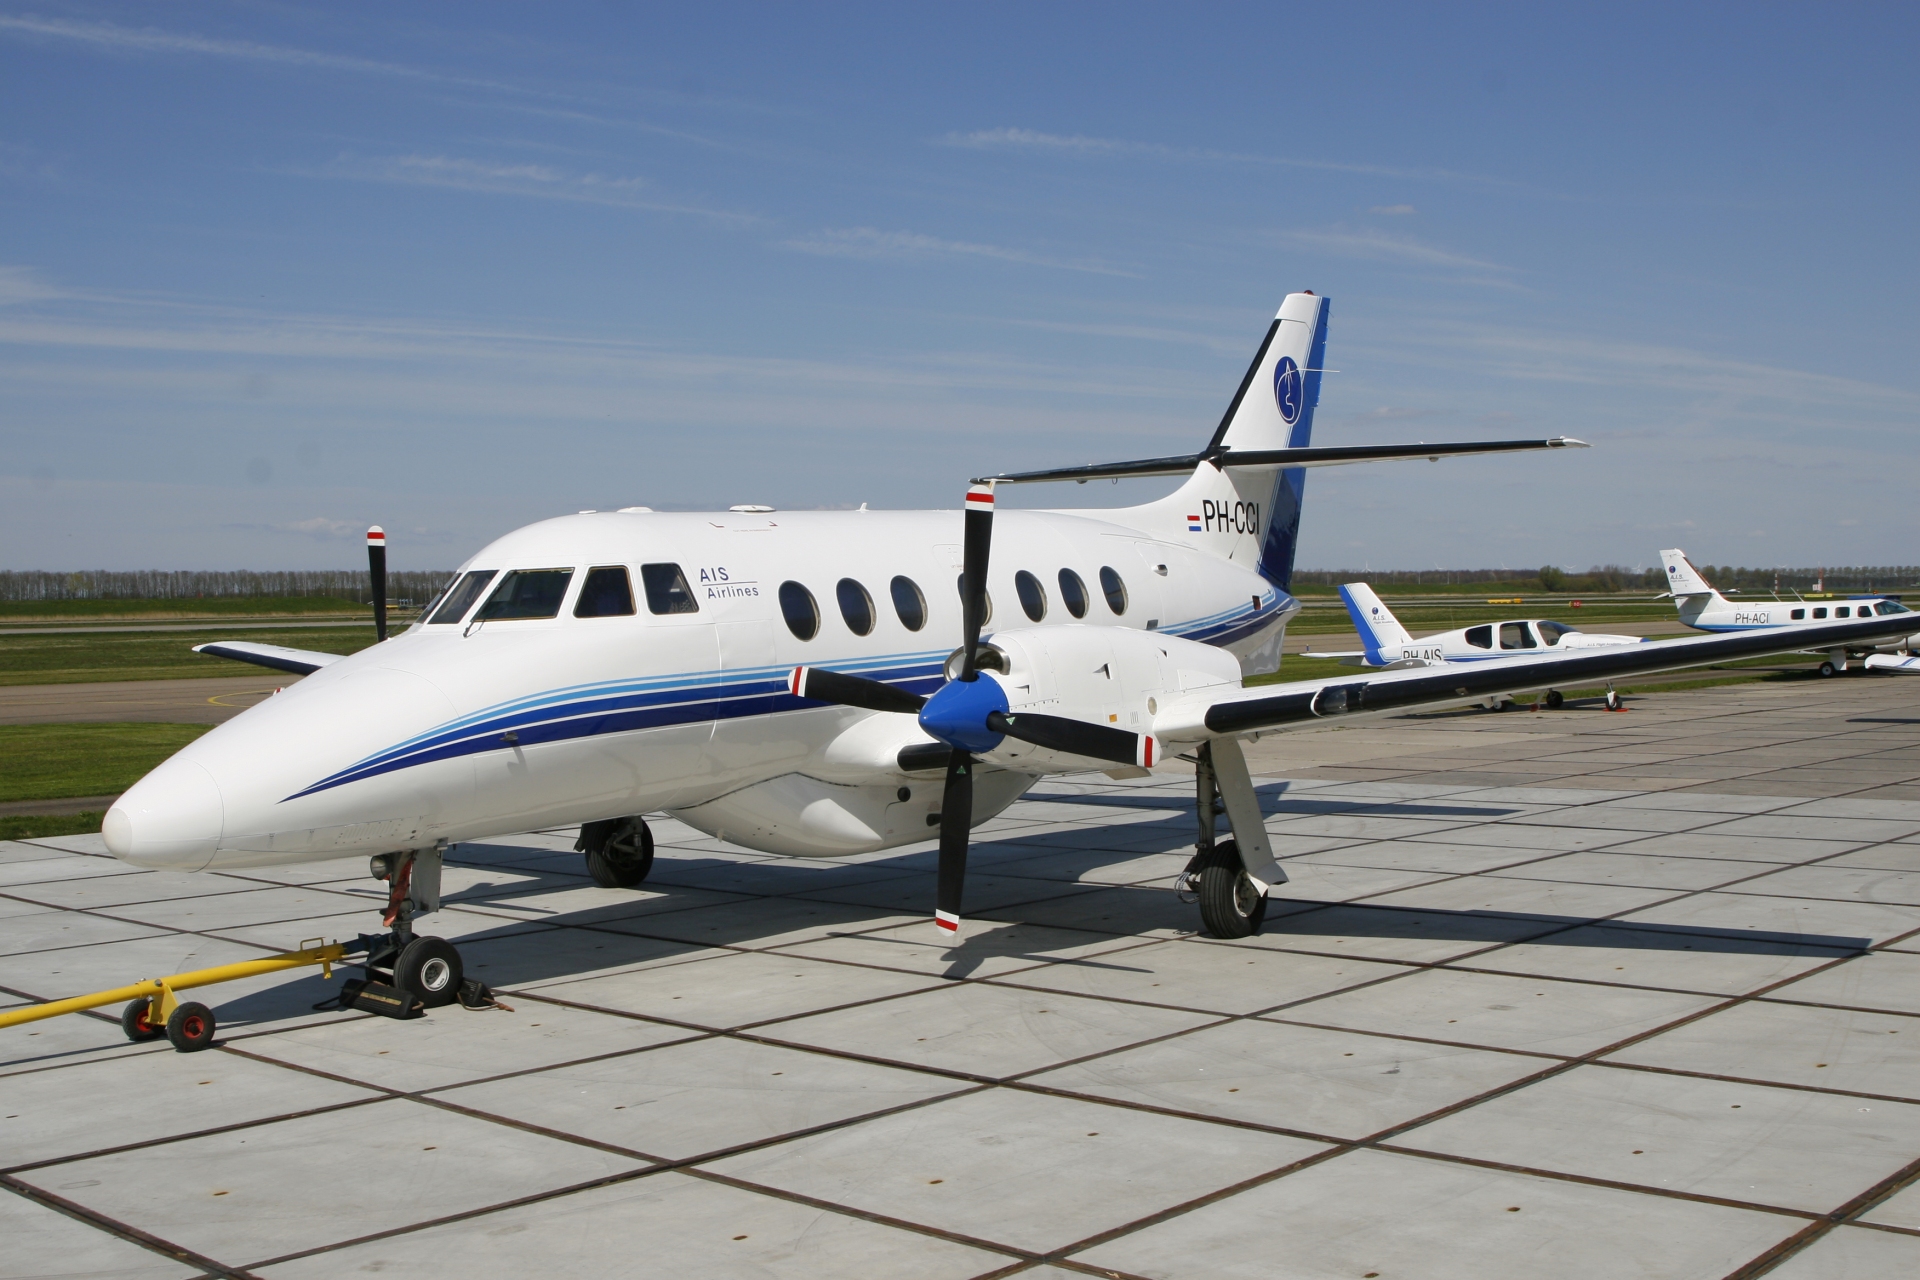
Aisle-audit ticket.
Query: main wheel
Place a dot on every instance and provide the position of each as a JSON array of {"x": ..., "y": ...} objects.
[
  {"x": 133, "y": 1021},
  {"x": 1554, "y": 699},
  {"x": 619, "y": 852},
  {"x": 1827, "y": 669},
  {"x": 1231, "y": 904},
  {"x": 191, "y": 1027},
  {"x": 429, "y": 968}
]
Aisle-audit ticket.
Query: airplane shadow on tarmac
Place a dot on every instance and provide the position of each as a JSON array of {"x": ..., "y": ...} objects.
[{"x": 1032, "y": 918}]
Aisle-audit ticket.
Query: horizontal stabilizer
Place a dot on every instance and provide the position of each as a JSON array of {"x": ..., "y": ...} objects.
[
  {"x": 301, "y": 662},
  {"x": 1311, "y": 456}
]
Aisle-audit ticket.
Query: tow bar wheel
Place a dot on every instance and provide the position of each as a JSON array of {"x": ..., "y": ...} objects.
[
  {"x": 134, "y": 1021},
  {"x": 191, "y": 1027}
]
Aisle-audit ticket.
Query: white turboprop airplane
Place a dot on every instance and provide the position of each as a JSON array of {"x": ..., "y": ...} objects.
[
  {"x": 1705, "y": 609},
  {"x": 790, "y": 682},
  {"x": 1387, "y": 644}
]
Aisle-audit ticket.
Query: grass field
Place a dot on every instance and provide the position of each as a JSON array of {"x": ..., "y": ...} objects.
[
  {"x": 1322, "y": 615},
  {"x": 54, "y": 761},
  {"x": 39, "y": 826},
  {"x": 166, "y": 610},
  {"x": 155, "y": 655}
]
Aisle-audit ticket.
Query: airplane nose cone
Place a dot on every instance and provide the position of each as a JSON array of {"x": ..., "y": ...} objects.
[{"x": 171, "y": 818}]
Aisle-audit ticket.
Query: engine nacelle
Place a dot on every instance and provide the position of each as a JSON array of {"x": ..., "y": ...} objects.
[{"x": 1099, "y": 675}]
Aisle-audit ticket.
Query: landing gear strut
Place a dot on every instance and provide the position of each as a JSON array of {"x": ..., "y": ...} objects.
[
  {"x": 1232, "y": 903},
  {"x": 619, "y": 851}
]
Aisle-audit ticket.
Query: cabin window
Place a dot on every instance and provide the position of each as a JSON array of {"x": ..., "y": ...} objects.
[
  {"x": 1115, "y": 589},
  {"x": 798, "y": 608},
  {"x": 1480, "y": 637},
  {"x": 1033, "y": 596},
  {"x": 524, "y": 594},
  {"x": 1513, "y": 635},
  {"x": 607, "y": 593},
  {"x": 667, "y": 589},
  {"x": 856, "y": 606},
  {"x": 461, "y": 595},
  {"x": 986, "y": 598},
  {"x": 1820, "y": 613},
  {"x": 1798, "y": 615},
  {"x": 909, "y": 603},
  {"x": 1887, "y": 608},
  {"x": 1073, "y": 593},
  {"x": 1550, "y": 632}
]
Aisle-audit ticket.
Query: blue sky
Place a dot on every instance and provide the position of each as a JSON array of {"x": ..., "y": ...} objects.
[{"x": 270, "y": 272}]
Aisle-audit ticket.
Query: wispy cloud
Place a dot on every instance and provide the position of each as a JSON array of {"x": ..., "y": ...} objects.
[
  {"x": 1393, "y": 210},
  {"x": 1381, "y": 246},
  {"x": 23, "y": 284},
  {"x": 869, "y": 242},
  {"x": 538, "y": 181},
  {"x": 1037, "y": 141},
  {"x": 107, "y": 35}
]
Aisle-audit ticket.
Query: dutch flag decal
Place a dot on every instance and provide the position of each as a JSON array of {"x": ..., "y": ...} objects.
[{"x": 1193, "y": 524}]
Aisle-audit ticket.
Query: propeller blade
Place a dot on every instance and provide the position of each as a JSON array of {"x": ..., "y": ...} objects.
[
  {"x": 377, "y": 571},
  {"x": 956, "y": 820},
  {"x": 852, "y": 691},
  {"x": 1076, "y": 737},
  {"x": 979, "y": 545}
]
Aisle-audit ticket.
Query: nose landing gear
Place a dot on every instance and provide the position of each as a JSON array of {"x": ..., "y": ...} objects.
[{"x": 427, "y": 969}]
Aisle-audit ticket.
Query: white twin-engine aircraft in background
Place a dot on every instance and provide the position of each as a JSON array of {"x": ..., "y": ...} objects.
[
  {"x": 1386, "y": 644},
  {"x": 790, "y": 681},
  {"x": 1705, "y": 609}
]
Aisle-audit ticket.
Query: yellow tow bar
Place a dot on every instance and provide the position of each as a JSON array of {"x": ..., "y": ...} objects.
[{"x": 157, "y": 1012}]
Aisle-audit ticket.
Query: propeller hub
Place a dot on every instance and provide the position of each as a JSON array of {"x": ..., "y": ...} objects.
[{"x": 957, "y": 714}]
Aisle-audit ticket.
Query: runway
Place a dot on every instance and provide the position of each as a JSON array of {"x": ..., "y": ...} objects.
[
  {"x": 198, "y": 701},
  {"x": 1586, "y": 994}
]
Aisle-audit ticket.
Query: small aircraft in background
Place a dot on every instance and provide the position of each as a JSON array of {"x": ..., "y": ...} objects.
[
  {"x": 1387, "y": 644},
  {"x": 1705, "y": 609}
]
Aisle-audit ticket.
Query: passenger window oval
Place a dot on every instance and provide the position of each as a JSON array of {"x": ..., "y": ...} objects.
[
  {"x": 986, "y": 614},
  {"x": 801, "y": 613},
  {"x": 856, "y": 606},
  {"x": 1116, "y": 590},
  {"x": 1073, "y": 593},
  {"x": 1033, "y": 597},
  {"x": 908, "y": 602}
]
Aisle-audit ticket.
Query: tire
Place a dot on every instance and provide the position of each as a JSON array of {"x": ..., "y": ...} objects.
[
  {"x": 1613, "y": 700},
  {"x": 1554, "y": 699},
  {"x": 133, "y": 1021},
  {"x": 1231, "y": 905},
  {"x": 191, "y": 1027},
  {"x": 429, "y": 968},
  {"x": 1827, "y": 669},
  {"x": 620, "y": 853}
]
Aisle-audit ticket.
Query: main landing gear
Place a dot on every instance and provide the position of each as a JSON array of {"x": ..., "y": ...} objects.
[
  {"x": 619, "y": 851},
  {"x": 1233, "y": 900}
]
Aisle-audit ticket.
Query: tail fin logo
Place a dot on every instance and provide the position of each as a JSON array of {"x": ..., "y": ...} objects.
[{"x": 1288, "y": 390}]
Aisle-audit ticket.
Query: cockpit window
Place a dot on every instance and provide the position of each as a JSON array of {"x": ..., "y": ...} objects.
[
  {"x": 1550, "y": 632},
  {"x": 526, "y": 593},
  {"x": 1480, "y": 637},
  {"x": 607, "y": 593},
  {"x": 667, "y": 589},
  {"x": 461, "y": 595},
  {"x": 1513, "y": 635},
  {"x": 1886, "y": 607}
]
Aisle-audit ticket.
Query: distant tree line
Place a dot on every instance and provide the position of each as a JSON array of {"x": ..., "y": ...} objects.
[
  {"x": 1602, "y": 578},
  {"x": 193, "y": 584}
]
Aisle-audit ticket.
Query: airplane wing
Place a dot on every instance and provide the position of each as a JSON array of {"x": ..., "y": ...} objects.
[
  {"x": 299, "y": 661},
  {"x": 1196, "y": 717}
]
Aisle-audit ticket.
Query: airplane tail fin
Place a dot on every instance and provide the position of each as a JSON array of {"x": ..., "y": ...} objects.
[
  {"x": 1381, "y": 634},
  {"x": 1682, "y": 578},
  {"x": 1273, "y": 409}
]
